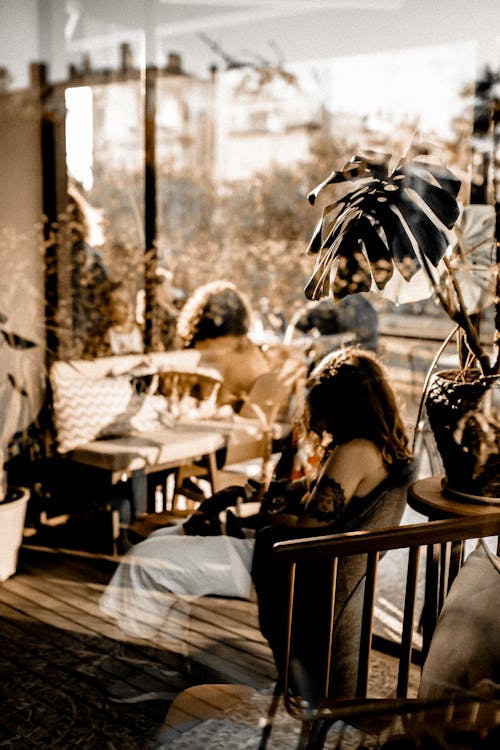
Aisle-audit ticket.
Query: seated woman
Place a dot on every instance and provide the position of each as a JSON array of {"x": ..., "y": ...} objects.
[
  {"x": 351, "y": 405},
  {"x": 365, "y": 453},
  {"x": 216, "y": 320}
]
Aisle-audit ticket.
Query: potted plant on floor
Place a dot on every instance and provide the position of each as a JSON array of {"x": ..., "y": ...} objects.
[
  {"x": 400, "y": 229},
  {"x": 13, "y": 501}
]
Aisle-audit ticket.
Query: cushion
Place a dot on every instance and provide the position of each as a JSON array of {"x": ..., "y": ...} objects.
[
  {"x": 168, "y": 447},
  {"x": 144, "y": 413},
  {"x": 84, "y": 406},
  {"x": 465, "y": 647}
]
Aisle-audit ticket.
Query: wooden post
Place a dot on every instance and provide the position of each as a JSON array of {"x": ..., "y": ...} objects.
[
  {"x": 496, "y": 192},
  {"x": 150, "y": 221},
  {"x": 52, "y": 138}
]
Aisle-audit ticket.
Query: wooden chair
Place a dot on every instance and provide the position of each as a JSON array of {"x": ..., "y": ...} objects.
[
  {"x": 262, "y": 424},
  {"x": 434, "y": 552},
  {"x": 443, "y": 543},
  {"x": 190, "y": 392}
]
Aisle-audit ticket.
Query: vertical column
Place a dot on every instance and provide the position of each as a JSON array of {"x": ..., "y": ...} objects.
[
  {"x": 496, "y": 198},
  {"x": 150, "y": 219},
  {"x": 52, "y": 136}
]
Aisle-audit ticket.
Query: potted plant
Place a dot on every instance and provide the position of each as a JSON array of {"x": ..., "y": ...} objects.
[
  {"x": 13, "y": 500},
  {"x": 396, "y": 231}
]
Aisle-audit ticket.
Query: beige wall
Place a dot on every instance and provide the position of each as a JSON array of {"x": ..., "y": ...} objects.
[{"x": 21, "y": 266}]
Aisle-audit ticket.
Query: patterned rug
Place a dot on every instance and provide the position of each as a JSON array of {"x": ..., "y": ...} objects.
[{"x": 239, "y": 716}]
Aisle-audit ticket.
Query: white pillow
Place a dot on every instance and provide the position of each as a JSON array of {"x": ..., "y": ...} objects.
[
  {"x": 84, "y": 406},
  {"x": 145, "y": 413},
  {"x": 465, "y": 646}
]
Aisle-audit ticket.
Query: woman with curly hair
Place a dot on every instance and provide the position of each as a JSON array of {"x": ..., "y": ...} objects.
[{"x": 216, "y": 320}]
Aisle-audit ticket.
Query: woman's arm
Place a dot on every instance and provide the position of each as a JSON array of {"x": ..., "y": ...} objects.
[
  {"x": 352, "y": 469},
  {"x": 284, "y": 496}
]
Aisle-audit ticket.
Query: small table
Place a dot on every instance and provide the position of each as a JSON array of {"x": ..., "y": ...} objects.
[{"x": 427, "y": 496}]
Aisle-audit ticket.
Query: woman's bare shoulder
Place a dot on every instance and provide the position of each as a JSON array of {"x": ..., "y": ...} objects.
[
  {"x": 358, "y": 465},
  {"x": 356, "y": 448},
  {"x": 359, "y": 456}
]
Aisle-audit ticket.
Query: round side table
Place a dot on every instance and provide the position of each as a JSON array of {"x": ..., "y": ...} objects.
[{"x": 427, "y": 497}]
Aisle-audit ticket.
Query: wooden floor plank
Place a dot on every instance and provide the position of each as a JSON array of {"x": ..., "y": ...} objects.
[
  {"x": 65, "y": 655},
  {"x": 230, "y": 646}
]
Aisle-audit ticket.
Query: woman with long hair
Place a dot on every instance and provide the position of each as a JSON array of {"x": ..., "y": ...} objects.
[
  {"x": 360, "y": 483},
  {"x": 364, "y": 456},
  {"x": 362, "y": 442}
]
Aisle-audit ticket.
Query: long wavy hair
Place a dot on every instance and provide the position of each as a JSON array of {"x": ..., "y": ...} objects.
[
  {"x": 213, "y": 310},
  {"x": 350, "y": 396}
]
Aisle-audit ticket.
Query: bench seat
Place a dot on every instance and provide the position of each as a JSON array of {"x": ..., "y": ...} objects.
[{"x": 150, "y": 451}]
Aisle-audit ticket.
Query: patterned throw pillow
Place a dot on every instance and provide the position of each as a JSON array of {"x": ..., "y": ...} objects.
[{"x": 84, "y": 406}]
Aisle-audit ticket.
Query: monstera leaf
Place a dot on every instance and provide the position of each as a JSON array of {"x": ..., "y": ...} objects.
[
  {"x": 473, "y": 257},
  {"x": 391, "y": 223}
]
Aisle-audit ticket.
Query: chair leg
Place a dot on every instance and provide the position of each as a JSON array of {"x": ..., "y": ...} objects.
[
  {"x": 139, "y": 484},
  {"x": 266, "y": 731},
  {"x": 114, "y": 515},
  {"x": 316, "y": 732}
]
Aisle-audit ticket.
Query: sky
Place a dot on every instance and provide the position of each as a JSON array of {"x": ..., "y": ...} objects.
[
  {"x": 397, "y": 57},
  {"x": 288, "y": 31}
]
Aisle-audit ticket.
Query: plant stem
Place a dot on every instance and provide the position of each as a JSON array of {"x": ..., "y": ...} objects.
[{"x": 461, "y": 317}]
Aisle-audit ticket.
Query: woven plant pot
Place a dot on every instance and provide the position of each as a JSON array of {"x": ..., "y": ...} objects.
[{"x": 467, "y": 437}]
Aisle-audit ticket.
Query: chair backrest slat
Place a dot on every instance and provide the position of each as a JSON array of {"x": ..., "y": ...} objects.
[
  {"x": 408, "y": 622},
  {"x": 289, "y": 622},
  {"x": 367, "y": 624},
  {"x": 331, "y": 623},
  {"x": 456, "y": 556}
]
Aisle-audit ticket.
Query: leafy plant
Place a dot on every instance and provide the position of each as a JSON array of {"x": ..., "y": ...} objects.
[
  {"x": 394, "y": 229},
  {"x": 13, "y": 341}
]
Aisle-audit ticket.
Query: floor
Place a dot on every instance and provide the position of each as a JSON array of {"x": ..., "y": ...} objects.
[{"x": 70, "y": 679}]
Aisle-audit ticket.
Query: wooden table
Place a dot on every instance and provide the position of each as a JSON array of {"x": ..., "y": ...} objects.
[{"x": 427, "y": 496}]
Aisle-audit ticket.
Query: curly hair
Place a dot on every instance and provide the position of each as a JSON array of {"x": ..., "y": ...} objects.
[
  {"x": 213, "y": 310},
  {"x": 350, "y": 396}
]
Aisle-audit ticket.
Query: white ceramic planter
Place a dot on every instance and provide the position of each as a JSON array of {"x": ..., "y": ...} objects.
[{"x": 12, "y": 517}]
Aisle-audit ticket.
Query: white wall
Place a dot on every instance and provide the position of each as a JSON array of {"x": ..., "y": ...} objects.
[
  {"x": 19, "y": 39},
  {"x": 21, "y": 260}
]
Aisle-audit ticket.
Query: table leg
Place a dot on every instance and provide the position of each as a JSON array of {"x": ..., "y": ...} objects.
[{"x": 139, "y": 483}]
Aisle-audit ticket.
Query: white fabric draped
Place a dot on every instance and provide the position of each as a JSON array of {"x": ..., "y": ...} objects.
[{"x": 150, "y": 591}]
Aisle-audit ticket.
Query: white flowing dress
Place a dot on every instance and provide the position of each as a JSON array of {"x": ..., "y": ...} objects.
[{"x": 150, "y": 591}]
